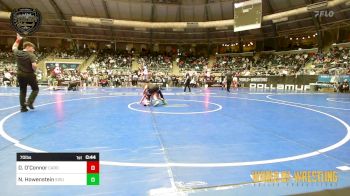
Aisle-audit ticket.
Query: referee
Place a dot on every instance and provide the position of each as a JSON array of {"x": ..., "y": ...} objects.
[
  {"x": 187, "y": 82},
  {"x": 229, "y": 78},
  {"x": 26, "y": 66}
]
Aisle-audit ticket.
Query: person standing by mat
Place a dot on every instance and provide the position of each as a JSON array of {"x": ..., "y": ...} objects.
[
  {"x": 26, "y": 65},
  {"x": 222, "y": 80},
  {"x": 187, "y": 82},
  {"x": 229, "y": 78}
]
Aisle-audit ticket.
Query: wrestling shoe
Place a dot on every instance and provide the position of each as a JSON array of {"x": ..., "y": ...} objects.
[
  {"x": 156, "y": 103},
  {"x": 24, "y": 109},
  {"x": 146, "y": 103},
  {"x": 30, "y": 105},
  {"x": 164, "y": 102}
]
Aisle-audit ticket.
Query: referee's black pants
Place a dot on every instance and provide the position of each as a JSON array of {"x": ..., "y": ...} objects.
[
  {"x": 187, "y": 85},
  {"x": 228, "y": 85},
  {"x": 25, "y": 79}
]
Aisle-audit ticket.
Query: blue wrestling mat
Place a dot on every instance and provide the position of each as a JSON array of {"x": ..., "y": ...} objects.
[{"x": 208, "y": 142}]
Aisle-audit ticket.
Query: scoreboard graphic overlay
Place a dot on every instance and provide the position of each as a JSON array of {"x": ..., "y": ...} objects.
[{"x": 58, "y": 169}]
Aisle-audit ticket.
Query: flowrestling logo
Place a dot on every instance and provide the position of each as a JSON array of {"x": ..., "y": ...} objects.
[
  {"x": 324, "y": 13},
  {"x": 25, "y": 21}
]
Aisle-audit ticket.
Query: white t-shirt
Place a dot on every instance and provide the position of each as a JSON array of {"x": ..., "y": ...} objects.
[
  {"x": 145, "y": 71},
  {"x": 7, "y": 75}
]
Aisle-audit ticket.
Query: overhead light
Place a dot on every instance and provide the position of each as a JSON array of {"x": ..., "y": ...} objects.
[
  {"x": 247, "y": 27},
  {"x": 178, "y": 29},
  {"x": 308, "y": 36},
  {"x": 243, "y": 45},
  {"x": 280, "y": 20},
  {"x": 290, "y": 38},
  {"x": 82, "y": 24},
  {"x": 106, "y": 21},
  {"x": 297, "y": 38},
  {"x": 317, "y": 6},
  {"x": 221, "y": 28},
  {"x": 192, "y": 24},
  {"x": 246, "y": 3},
  {"x": 303, "y": 37},
  {"x": 314, "y": 35},
  {"x": 140, "y": 29}
]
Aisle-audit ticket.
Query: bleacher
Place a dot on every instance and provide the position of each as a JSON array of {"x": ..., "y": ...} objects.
[
  {"x": 116, "y": 66},
  {"x": 156, "y": 63},
  {"x": 192, "y": 63}
]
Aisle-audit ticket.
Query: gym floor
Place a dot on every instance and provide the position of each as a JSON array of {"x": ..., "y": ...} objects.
[{"x": 207, "y": 142}]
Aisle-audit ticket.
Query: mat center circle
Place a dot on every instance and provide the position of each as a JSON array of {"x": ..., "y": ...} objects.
[{"x": 178, "y": 106}]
